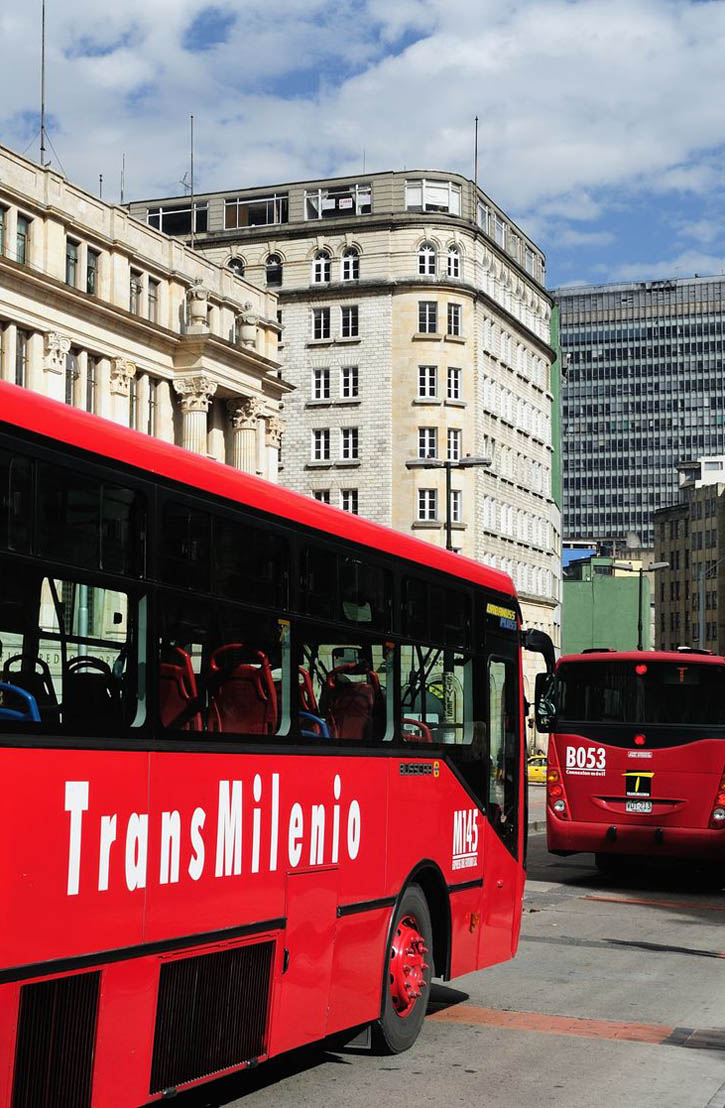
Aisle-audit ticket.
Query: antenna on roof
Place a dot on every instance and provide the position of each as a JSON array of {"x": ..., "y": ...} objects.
[
  {"x": 191, "y": 166},
  {"x": 475, "y": 153},
  {"x": 42, "y": 85},
  {"x": 123, "y": 175},
  {"x": 363, "y": 161},
  {"x": 100, "y": 186}
]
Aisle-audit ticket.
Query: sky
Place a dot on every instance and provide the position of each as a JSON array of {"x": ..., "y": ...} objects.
[{"x": 601, "y": 122}]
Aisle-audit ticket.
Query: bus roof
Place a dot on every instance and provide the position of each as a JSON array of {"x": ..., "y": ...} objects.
[
  {"x": 691, "y": 657},
  {"x": 62, "y": 423}
]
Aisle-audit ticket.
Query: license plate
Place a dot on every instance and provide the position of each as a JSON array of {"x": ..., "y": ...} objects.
[{"x": 638, "y": 806}]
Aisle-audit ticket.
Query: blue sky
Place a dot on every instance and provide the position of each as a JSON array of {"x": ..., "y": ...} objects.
[{"x": 601, "y": 127}]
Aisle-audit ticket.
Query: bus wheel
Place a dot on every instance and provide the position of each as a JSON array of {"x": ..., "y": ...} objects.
[{"x": 407, "y": 983}]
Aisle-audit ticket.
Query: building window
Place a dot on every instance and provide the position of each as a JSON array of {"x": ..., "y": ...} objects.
[
  {"x": 321, "y": 384},
  {"x": 427, "y": 260},
  {"x": 21, "y": 357},
  {"x": 237, "y": 266},
  {"x": 321, "y": 445},
  {"x": 427, "y": 382},
  {"x": 349, "y": 500},
  {"x": 349, "y": 444},
  {"x": 427, "y": 317},
  {"x": 323, "y": 495},
  {"x": 92, "y": 272},
  {"x": 427, "y": 505},
  {"x": 91, "y": 383},
  {"x": 484, "y": 216},
  {"x": 151, "y": 420},
  {"x": 454, "y": 262},
  {"x": 427, "y": 442},
  {"x": 453, "y": 383},
  {"x": 135, "y": 292},
  {"x": 454, "y": 319},
  {"x": 71, "y": 372},
  {"x": 456, "y": 506},
  {"x": 530, "y": 261},
  {"x": 454, "y": 445},
  {"x": 2, "y": 230},
  {"x": 321, "y": 323},
  {"x": 321, "y": 268},
  {"x": 21, "y": 239},
  {"x": 256, "y": 211},
  {"x": 349, "y": 322},
  {"x": 273, "y": 271},
  {"x": 71, "y": 262},
  {"x": 348, "y": 382},
  {"x": 337, "y": 202},
  {"x": 351, "y": 264},
  {"x": 153, "y": 301},
  {"x": 433, "y": 196},
  {"x": 499, "y": 230},
  {"x": 175, "y": 219},
  {"x": 132, "y": 401}
]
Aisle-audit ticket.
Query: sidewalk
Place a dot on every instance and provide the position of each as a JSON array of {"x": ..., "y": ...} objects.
[{"x": 537, "y": 809}]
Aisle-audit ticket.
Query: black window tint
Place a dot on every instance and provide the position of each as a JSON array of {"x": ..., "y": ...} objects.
[
  {"x": 318, "y": 584},
  {"x": 449, "y": 615},
  {"x": 250, "y": 564},
  {"x": 123, "y": 531},
  {"x": 364, "y": 593},
  {"x": 185, "y": 547},
  {"x": 16, "y": 511},
  {"x": 415, "y": 608},
  {"x": 69, "y": 514}
]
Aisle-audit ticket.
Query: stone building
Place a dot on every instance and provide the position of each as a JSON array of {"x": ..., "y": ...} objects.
[
  {"x": 415, "y": 326},
  {"x": 116, "y": 318},
  {"x": 690, "y": 536}
]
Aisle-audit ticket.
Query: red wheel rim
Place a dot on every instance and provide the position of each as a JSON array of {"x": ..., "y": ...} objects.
[{"x": 407, "y": 966}]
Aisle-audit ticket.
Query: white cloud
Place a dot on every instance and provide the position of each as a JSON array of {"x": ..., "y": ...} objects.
[
  {"x": 576, "y": 99},
  {"x": 690, "y": 263}
]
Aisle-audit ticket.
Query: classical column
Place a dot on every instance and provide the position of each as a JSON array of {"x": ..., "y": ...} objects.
[
  {"x": 195, "y": 394},
  {"x": 35, "y": 377},
  {"x": 9, "y": 352},
  {"x": 275, "y": 428},
  {"x": 122, "y": 372},
  {"x": 244, "y": 413},
  {"x": 57, "y": 348},
  {"x": 80, "y": 386},
  {"x": 164, "y": 411},
  {"x": 142, "y": 403}
]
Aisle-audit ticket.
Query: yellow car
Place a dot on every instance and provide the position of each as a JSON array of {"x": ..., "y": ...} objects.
[{"x": 537, "y": 769}]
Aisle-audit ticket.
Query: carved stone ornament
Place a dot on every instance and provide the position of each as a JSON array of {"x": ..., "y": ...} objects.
[
  {"x": 244, "y": 412},
  {"x": 57, "y": 347},
  {"x": 247, "y": 325},
  {"x": 198, "y": 301},
  {"x": 195, "y": 393},
  {"x": 275, "y": 430},
  {"x": 122, "y": 370}
]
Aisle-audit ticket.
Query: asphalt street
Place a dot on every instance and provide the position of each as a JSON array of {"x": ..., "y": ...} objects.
[{"x": 616, "y": 998}]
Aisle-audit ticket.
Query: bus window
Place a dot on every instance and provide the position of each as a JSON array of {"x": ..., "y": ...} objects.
[
  {"x": 318, "y": 582},
  {"x": 250, "y": 564},
  {"x": 365, "y": 594},
  {"x": 345, "y": 689},
  {"x": 503, "y": 750},
  {"x": 185, "y": 547},
  {"x": 436, "y": 696},
  {"x": 16, "y": 504}
]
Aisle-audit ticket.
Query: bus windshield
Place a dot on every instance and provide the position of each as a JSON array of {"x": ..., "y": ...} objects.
[{"x": 657, "y": 692}]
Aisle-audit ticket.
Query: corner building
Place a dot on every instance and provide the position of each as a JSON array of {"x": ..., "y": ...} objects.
[
  {"x": 644, "y": 390},
  {"x": 415, "y": 326},
  {"x": 115, "y": 318}
]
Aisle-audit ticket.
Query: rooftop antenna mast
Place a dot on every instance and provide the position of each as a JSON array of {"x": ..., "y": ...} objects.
[
  {"x": 475, "y": 154},
  {"x": 42, "y": 85},
  {"x": 191, "y": 178},
  {"x": 123, "y": 176}
]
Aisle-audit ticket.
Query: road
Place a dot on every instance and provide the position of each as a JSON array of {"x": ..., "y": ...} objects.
[{"x": 616, "y": 998}]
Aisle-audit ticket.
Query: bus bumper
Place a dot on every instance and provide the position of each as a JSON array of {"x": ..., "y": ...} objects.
[{"x": 611, "y": 838}]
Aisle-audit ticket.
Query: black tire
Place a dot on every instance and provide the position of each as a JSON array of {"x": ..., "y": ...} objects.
[{"x": 394, "y": 1033}]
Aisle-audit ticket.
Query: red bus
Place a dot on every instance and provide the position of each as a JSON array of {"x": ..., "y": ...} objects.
[
  {"x": 636, "y": 761},
  {"x": 263, "y": 767}
]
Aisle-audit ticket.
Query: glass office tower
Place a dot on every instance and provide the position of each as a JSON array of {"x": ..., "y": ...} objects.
[{"x": 644, "y": 390}]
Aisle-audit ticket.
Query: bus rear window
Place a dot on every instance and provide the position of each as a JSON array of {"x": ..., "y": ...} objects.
[{"x": 682, "y": 694}]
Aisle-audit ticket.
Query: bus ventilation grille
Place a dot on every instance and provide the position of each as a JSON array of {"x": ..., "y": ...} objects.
[
  {"x": 56, "y": 1038},
  {"x": 211, "y": 1014}
]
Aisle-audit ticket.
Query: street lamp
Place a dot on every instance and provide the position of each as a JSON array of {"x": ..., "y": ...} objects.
[
  {"x": 469, "y": 462},
  {"x": 629, "y": 568}
]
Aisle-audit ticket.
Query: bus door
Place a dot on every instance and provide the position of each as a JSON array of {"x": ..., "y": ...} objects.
[{"x": 503, "y": 876}]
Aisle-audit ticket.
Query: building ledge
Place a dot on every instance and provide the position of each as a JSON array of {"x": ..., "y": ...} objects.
[{"x": 426, "y": 336}]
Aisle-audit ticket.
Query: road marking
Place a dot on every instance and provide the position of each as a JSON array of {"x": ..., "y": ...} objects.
[
  {"x": 555, "y": 1025},
  {"x": 690, "y": 904}
]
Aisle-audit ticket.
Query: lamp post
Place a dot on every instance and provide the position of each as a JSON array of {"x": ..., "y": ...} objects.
[
  {"x": 468, "y": 462},
  {"x": 629, "y": 568}
]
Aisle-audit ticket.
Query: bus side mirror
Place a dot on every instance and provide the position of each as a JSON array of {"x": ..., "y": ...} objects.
[
  {"x": 539, "y": 643},
  {"x": 545, "y": 709}
]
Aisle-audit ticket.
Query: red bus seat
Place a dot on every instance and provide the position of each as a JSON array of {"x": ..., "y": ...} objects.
[
  {"x": 178, "y": 695},
  {"x": 351, "y": 706},
  {"x": 415, "y": 731},
  {"x": 243, "y": 697}
]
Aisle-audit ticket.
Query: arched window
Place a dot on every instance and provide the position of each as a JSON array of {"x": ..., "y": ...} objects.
[
  {"x": 351, "y": 264},
  {"x": 273, "y": 271},
  {"x": 321, "y": 267},
  {"x": 237, "y": 266},
  {"x": 426, "y": 260},
  {"x": 454, "y": 261}
]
